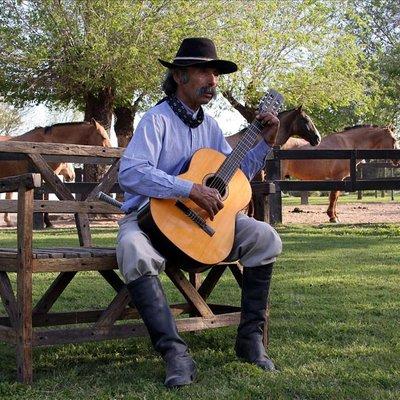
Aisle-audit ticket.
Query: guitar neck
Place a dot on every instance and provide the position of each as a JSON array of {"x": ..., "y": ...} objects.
[{"x": 233, "y": 161}]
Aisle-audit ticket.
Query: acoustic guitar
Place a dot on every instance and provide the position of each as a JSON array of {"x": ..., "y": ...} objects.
[{"x": 182, "y": 231}]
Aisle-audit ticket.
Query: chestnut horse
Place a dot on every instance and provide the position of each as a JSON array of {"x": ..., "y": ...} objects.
[
  {"x": 363, "y": 137},
  {"x": 89, "y": 133},
  {"x": 86, "y": 133}
]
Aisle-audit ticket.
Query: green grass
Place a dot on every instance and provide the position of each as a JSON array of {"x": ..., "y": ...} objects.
[
  {"x": 345, "y": 198},
  {"x": 334, "y": 329}
]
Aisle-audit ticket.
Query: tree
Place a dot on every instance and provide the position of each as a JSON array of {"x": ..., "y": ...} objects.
[
  {"x": 10, "y": 119},
  {"x": 100, "y": 56},
  {"x": 376, "y": 24},
  {"x": 95, "y": 54},
  {"x": 303, "y": 49},
  {"x": 92, "y": 54}
]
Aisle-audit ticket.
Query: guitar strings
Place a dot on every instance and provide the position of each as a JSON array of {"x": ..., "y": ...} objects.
[
  {"x": 238, "y": 153},
  {"x": 227, "y": 170},
  {"x": 244, "y": 146}
]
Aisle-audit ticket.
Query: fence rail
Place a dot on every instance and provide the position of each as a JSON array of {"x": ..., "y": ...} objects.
[{"x": 352, "y": 184}]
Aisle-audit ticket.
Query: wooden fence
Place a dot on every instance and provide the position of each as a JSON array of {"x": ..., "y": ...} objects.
[{"x": 273, "y": 208}]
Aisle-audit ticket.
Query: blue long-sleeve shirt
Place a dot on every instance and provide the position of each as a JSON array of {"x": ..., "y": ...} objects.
[{"x": 161, "y": 148}]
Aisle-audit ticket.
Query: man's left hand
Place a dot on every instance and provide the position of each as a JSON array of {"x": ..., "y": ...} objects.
[{"x": 271, "y": 126}]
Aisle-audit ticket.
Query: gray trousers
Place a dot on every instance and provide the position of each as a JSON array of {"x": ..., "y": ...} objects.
[{"x": 256, "y": 243}]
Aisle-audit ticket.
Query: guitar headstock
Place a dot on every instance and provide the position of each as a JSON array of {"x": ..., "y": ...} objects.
[{"x": 270, "y": 102}]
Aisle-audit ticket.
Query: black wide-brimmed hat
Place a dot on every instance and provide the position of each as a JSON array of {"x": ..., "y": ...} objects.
[{"x": 200, "y": 52}]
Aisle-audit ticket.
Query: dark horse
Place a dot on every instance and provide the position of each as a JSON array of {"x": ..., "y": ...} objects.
[{"x": 294, "y": 122}]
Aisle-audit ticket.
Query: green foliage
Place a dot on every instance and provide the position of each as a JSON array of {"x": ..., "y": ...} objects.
[
  {"x": 59, "y": 51},
  {"x": 339, "y": 59},
  {"x": 301, "y": 48},
  {"x": 10, "y": 119},
  {"x": 375, "y": 23}
]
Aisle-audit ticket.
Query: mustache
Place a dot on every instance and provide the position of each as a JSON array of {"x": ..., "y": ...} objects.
[{"x": 207, "y": 90}]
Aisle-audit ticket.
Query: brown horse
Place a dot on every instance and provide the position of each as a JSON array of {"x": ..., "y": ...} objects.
[
  {"x": 86, "y": 133},
  {"x": 363, "y": 137},
  {"x": 89, "y": 133},
  {"x": 293, "y": 122}
]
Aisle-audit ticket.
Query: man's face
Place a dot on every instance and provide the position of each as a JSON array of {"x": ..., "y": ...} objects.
[{"x": 198, "y": 86}]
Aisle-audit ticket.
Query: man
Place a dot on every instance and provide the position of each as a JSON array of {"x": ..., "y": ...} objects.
[{"x": 163, "y": 143}]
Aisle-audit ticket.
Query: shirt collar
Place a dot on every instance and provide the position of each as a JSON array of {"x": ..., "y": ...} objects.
[{"x": 189, "y": 110}]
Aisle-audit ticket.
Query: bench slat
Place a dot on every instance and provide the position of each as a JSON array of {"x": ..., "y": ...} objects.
[
  {"x": 63, "y": 207},
  {"x": 62, "y": 252}
]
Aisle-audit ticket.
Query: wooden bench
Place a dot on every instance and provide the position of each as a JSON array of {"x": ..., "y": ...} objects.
[{"x": 26, "y": 325}]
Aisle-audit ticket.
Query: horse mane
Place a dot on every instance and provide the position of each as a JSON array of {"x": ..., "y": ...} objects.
[
  {"x": 48, "y": 128},
  {"x": 360, "y": 126},
  {"x": 286, "y": 111}
]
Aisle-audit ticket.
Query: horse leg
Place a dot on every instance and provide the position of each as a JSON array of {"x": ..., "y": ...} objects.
[
  {"x": 46, "y": 220},
  {"x": 7, "y": 218},
  {"x": 333, "y": 196},
  {"x": 46, "y": 217}
]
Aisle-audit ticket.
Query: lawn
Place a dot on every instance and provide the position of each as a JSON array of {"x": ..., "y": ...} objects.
[{"x": 334, "y": 329}]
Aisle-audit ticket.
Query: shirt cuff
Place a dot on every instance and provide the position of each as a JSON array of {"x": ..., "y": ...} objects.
[{"x": 182, "y": 187}]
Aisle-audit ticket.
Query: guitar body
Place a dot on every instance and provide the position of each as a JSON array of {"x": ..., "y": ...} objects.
[{"x": 166, "y": 222}]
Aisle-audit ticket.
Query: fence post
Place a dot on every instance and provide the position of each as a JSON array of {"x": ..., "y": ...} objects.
[
  {"x": 304, "y": 197},
  {"x": 360, "y": 176},
  {"x": 272, "y": 174},
  {"x": 78, "y": 178},
  {"x": 392, "y": 191},
  {"x": 384, "y": 176},
  {"x": 260, "y": 207}
]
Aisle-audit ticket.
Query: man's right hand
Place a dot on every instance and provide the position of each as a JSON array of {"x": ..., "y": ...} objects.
[{"x": 207, "y": 198}]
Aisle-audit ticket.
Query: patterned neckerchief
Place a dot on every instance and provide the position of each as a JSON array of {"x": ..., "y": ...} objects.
[{"x": 183, "y": 114}]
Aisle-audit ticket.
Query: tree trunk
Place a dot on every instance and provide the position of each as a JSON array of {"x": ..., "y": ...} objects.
[
  {"x": 247, "y": 112},
  {"x": 100, "y": 107},
  {"x": 124, "y": 119},
  {"x": 123, "y": 125}
]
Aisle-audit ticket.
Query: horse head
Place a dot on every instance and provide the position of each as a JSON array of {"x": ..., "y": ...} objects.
[
  {"x": 296, "y": 122},
  {"x": 101, "y": 137},
  {"x": 394, "y": 142},
  {"x": 67, "y": 171}
]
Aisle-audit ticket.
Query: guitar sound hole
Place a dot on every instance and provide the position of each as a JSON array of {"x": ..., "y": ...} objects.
[{"x": 217, "y": 183}]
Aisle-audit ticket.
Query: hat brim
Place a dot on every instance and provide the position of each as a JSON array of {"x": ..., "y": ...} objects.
[{"x": 223, "y": 66}]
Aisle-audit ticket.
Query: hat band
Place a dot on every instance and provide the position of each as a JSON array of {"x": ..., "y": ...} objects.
[{"x": 194, "y": 58}]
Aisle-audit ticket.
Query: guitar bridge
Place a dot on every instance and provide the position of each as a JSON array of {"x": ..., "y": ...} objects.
[{"x": 195, "y": 218}]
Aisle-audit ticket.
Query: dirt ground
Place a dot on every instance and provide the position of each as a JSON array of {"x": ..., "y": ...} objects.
[
  {"x": 348, "y": 213},
  {"x": 295, "y": 214}
]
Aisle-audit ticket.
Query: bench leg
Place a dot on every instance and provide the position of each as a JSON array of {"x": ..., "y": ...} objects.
[
  {"x": 24, "y": 359},
  {"x": 24, "y": 325},
  {"x": 24, "y": 286}
]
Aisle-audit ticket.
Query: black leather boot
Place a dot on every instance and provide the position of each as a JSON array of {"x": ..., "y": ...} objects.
[
  {"x": 255, "y": 289},
  {"x": 149, "y": 299}
]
